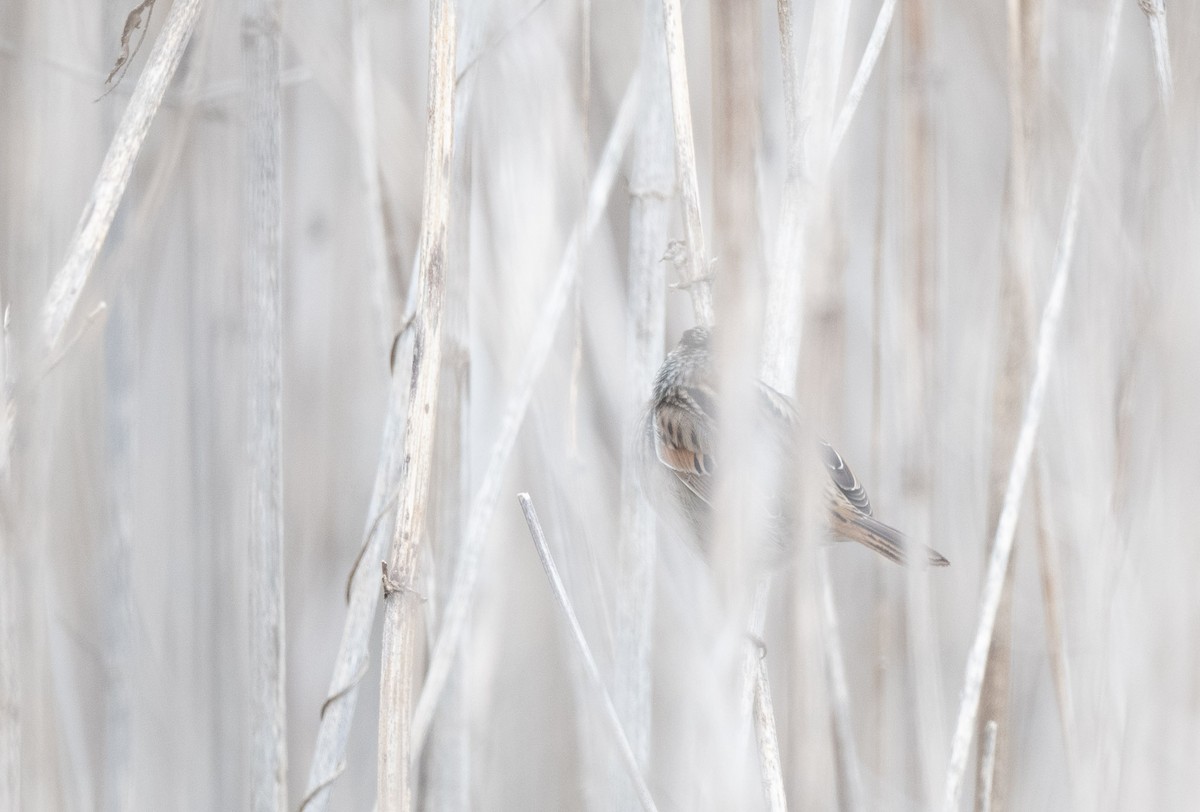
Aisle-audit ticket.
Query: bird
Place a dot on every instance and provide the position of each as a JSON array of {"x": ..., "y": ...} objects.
[{"x": 680, "y": 426}]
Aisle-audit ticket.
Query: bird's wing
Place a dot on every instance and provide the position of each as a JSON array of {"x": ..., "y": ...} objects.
[
  {"x": 850, "y": 507},
  {"x": 683, "y": 438},
  {"x": 782, "y": 408},
  {"x": 844, "y": 479}
]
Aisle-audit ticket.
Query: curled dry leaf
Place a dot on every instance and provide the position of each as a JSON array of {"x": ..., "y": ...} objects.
[{"x": 133, "y": 22}]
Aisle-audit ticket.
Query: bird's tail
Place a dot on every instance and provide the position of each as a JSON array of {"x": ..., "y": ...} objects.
[{"x": 887, "y": 541}]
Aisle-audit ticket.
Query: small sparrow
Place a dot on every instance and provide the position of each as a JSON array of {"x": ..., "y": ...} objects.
[{"x": 681, "y": 423}]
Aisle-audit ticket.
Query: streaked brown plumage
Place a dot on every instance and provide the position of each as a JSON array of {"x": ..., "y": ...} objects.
[{"x": 681, "y": 424}]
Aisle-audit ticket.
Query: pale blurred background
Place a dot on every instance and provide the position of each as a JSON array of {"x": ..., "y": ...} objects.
[{"x": 124, "y": 651}]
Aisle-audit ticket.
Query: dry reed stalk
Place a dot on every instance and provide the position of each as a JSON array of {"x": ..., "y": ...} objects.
[
  {"x": 585, "y": 652},
  {"x": 652, "y": 185},
  {"x": 262, "y": 46},
  {"x": 1013, "y": 336},
  {"x": 351, "y": 663},
  {"x": 446, "y": 769},
  {"x": 736, "y": 135},
  {"x": 483, "y": 505},
  {"x": 808, "y": 110},
  {"x": 362, "y": 591},
  {"x": 396, "y": 788},
  {"x": 352, "y": 660},
  {"x": 735, "y": 237},
  {"x": 697, "y": 280},
  {"x": 1023, "y": 453},
  {"x": 115, "y": 170},
  {"x": 809, "y": 161}
]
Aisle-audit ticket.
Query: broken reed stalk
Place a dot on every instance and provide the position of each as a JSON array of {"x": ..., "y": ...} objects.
[
  {"x": 101, "y": 207},
  {"x": 585, "y": 652},
  {"x": 698, "y": 281},
  {"x": 401, "y": 603},
  {"x": 262, "y": 44},
  {"x": 1006, "y": 527},
  {"x": 483, "y": 505}
]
